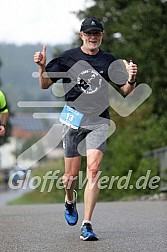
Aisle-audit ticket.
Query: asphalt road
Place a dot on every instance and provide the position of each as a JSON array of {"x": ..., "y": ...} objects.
[
  {"x": 121, "y": 227},
  {"x": 9, "y": 195}
]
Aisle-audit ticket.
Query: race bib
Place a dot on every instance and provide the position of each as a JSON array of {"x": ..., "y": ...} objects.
[{"x": 71, "y": 117}]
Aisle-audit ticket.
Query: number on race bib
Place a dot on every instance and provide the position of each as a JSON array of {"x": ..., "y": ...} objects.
[{"x": 70, "y": 117}]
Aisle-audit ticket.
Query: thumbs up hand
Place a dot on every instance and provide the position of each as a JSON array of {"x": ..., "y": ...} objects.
[
  {"x": 40, "y": 57},
  {"x": 131, "y": 69}
]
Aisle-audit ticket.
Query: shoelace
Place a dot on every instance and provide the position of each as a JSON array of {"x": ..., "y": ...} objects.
[
  {"x": 70, "y": 208},
  {"x": 88, "y": 227}
]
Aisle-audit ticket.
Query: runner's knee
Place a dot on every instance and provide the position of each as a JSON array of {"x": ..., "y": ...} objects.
[
  {"x": 69, "y": 176},
  {"x": 92, "y": 170}
]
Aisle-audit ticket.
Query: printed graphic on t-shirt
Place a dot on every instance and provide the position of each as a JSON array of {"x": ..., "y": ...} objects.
[{"x": 89, "y": 81}]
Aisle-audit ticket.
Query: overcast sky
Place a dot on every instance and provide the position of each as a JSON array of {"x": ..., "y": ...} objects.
[{"x": 43, "y": 21}]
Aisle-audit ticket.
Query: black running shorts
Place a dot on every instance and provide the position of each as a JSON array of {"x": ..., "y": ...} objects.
[{"x": 77, "y": 141}]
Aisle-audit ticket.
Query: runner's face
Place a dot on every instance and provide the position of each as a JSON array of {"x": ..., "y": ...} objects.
[{"x": 91, "y": 40}]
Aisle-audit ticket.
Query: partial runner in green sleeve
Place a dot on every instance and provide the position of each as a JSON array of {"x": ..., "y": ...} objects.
[{"x": 4, "y": 114}]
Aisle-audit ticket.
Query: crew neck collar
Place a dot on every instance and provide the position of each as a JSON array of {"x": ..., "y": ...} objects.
[{"x": 93, "y": 55}]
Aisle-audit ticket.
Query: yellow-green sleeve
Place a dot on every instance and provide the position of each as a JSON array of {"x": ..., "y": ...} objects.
[{"x": 3, "y": 105}]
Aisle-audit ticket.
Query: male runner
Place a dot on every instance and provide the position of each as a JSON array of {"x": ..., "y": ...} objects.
[{"x": 86, "y": 115}]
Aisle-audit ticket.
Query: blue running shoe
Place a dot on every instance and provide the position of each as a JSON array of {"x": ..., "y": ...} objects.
[
  {"x": 71, "y": 214},
  {"x": 87, "y": 233}
]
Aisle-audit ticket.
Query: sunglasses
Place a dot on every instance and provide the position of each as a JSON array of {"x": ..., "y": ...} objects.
[{"x": 89, "y": 34}]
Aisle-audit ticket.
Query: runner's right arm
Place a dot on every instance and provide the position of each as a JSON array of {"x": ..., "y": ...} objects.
[{"x": 40, "y": 59}]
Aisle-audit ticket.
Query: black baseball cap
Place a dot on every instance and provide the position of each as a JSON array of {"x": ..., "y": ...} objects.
[{"x": 90, "y": 24}]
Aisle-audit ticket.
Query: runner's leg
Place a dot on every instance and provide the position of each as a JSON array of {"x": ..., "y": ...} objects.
[
  {"x": 94, "y": 158},
  {"x": 72, "y": 166}
]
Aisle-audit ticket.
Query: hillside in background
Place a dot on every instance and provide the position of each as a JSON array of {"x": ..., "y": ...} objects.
[{"x": 16, "y": 73}]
